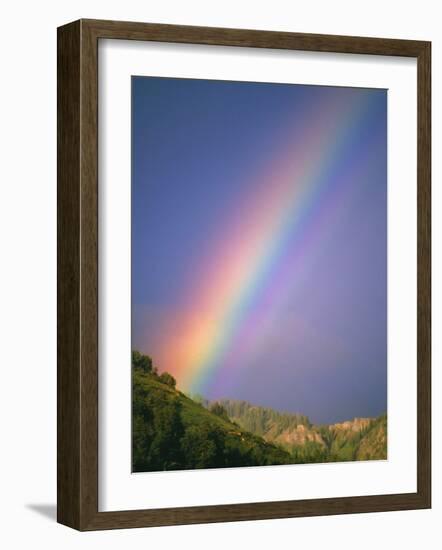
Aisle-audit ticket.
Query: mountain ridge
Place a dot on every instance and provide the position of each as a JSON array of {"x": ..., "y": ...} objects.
[{"x": 340, "y": 441}]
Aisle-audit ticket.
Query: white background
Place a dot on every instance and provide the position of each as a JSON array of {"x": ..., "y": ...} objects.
[
  {"x": 27, "y": 299},
  {"x": 118, "y": 488}
]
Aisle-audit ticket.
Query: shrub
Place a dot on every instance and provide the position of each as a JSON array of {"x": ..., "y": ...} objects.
[
  {"x": 168, "y": 379},
  {"x": 140, "y": 361}
]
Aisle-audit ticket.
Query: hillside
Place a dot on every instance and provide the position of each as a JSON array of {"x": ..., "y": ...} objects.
[
  {"x": 373, "y": 445},
  {"x": 358, "y": 439},
  {"x": 172, "y": 432}
]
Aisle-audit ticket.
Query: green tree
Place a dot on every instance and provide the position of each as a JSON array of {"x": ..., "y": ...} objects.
[
  {"x": 165, "y": 450},
  {"x": 203, "y": 446},
  {"x": 219, "y": 410},
  {"x": 168, "y": 379},
  {"x": 141, "y": 361}
]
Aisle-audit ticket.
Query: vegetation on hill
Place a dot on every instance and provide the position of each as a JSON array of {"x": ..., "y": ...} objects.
[
  {"x": 358, "y": 439},
  {"x": 263, "y": 421},
  {"x": 171, "y": 431},
  {"x": 374, "y": 445}
]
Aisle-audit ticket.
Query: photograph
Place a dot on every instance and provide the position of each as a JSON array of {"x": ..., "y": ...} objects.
[
  {"x": 220, "y": 243},
  {"x": 258, "y": 274},
  {"x": 243, "y": 273}
]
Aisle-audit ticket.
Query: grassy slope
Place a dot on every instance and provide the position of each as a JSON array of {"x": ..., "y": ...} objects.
[{"x": 206, "y": 440}]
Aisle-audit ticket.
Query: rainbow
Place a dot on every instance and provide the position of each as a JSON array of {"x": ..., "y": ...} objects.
[{"x": 250, "y": 266}]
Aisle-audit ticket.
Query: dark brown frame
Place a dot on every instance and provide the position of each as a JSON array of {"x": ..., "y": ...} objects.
[{"x": 77, "y": 223}]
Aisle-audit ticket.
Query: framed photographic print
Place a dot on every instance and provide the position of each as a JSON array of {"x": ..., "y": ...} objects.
[{"x": 243, "y": 275}]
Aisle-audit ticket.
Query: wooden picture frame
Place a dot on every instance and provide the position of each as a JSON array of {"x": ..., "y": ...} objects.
[{"x": 77, "y": 225}]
